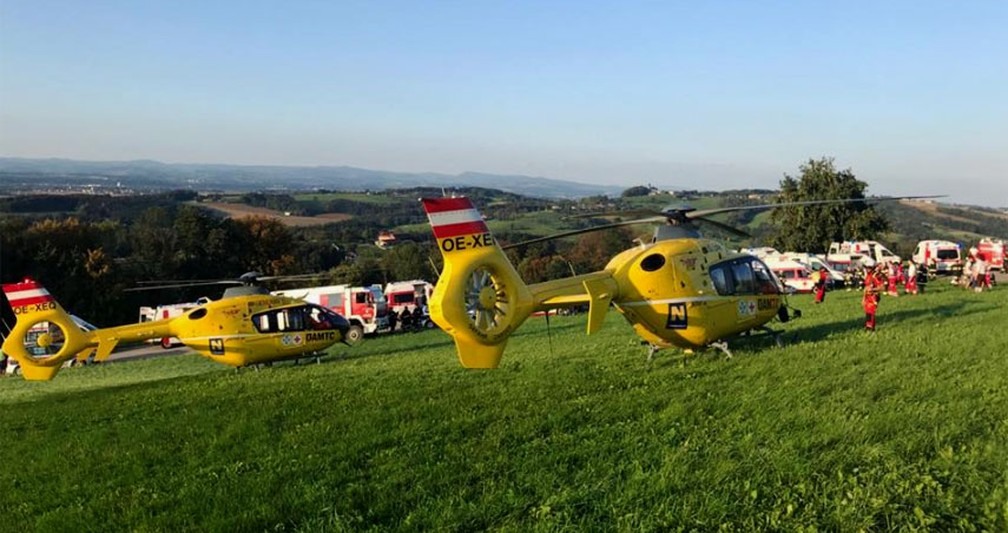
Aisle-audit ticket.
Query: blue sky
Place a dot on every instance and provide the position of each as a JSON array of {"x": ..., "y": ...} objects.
[{"x": 913, "y": 96}]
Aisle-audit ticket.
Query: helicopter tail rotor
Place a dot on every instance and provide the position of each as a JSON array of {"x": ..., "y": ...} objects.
[
  {"x": 44, "y": 336},
  {"x": 479, "y": 298}
]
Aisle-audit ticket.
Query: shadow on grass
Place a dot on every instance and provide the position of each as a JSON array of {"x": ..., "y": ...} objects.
[
  {"x": 757, "y": 342},
  {"x": 442, "y": 340},
  {"x": 885, "y": 319}
]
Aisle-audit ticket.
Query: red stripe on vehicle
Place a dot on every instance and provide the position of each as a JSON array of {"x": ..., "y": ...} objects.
[
  {"x": 31, "y": 301},
  {"x": 23, "y": 286},
  {"x": 438, "y": 205},
  {"x": 466, "y": 228}
]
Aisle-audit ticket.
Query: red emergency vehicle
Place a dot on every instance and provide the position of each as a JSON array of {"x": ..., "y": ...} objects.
[
  {"x": 364, "y": 307},
  {"x": 993, "y": 251},
  {"x": 408, "y": 294}
]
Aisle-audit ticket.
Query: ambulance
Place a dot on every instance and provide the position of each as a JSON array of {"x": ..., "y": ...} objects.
[
  {"x": 858, "y": 250},
  {"x": 816, "y": 263},
  {"x": 940, "y": 257},
  {"x": 792, "y": 274}
]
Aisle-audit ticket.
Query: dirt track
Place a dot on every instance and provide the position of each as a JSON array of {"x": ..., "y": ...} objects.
[{"x": 241, "y": 210}]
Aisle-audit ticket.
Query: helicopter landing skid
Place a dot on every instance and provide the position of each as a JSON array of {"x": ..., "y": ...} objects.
[
  {"x": 723, "y": 346},
  {"x": 651, "y": 350}
]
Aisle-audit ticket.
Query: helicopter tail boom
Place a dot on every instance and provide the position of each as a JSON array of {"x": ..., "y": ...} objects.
[
  {"x": 479, "y": 298},
  {"x": 44, "y": 336}
]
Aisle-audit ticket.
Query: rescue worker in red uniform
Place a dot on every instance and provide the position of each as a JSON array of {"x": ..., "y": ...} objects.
[
  {"x": 874, "y": 284},
  {"x": 820, "y": 285},
  {"x": 893, "y": 279},
  {"x": 910, "y": 287}
]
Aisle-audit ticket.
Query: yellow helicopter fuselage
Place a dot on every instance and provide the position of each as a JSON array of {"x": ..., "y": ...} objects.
[
  {"x": 237, "y": 331},
  {"x": 667, "y": 292},
  {"x": 247, "y": 330}
]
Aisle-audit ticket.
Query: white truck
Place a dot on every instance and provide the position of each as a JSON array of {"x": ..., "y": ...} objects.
[{"x": 365, "y": 308}]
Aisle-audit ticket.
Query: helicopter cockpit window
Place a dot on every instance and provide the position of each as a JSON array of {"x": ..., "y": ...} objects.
[
  {"x": 742, "y": 276},
  {"x": 291, "y": 319},
  {"x": 745, "y": 281},
  {"x": 318, "y": 318},
  {"x": 765, "y": 283},
  {"x": 722, "y": 283}
]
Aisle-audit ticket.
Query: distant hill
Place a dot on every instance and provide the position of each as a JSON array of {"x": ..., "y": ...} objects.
[{"x": 144, "y": 174}]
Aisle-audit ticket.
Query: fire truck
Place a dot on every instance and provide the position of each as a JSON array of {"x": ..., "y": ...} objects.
[
  {"x": 993, "y": 251},
  {"x": 161, "y": 312},
  {"x": 408, "y": 294},
  {"x": 364, "y": 307}
]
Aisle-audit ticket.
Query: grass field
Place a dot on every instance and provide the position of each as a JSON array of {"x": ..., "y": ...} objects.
[
  {"x": 377, "y": 199},
  {"x": 839, "y": 430}
]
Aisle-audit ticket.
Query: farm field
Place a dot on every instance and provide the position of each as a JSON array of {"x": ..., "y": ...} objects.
[
  {"x": 838, "y": 430},
  {"x": 236, "y": 210}
]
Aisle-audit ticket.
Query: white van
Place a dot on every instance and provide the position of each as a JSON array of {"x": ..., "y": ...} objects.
[{"x": 942, "y": 257}]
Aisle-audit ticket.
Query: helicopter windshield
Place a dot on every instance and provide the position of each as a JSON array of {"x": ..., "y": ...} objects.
[{"x": 743, "y": 276}]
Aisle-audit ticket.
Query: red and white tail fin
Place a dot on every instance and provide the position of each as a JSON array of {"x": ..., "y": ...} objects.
[
  {"x": 479, "y": 299},
  {"x": 44, "y": 336}
]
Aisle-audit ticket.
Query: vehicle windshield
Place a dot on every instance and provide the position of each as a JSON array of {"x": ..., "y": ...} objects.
[{"x": 947, "y": 254}]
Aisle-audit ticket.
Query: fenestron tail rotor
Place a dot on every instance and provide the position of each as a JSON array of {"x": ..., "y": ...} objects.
[{"x": 487, "y": 302}]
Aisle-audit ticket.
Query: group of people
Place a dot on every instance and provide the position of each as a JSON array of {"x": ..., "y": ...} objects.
[
  {"x": 886, "y": 278},
  {"x": 408, "y": 319},
  {"x": 976, "y": 274}
]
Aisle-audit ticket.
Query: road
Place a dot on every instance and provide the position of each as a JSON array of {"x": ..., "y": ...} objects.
[{"x": 145, "y": 351}]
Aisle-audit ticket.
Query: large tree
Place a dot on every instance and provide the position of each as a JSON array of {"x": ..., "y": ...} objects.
[{"x": 812, "y": 228}]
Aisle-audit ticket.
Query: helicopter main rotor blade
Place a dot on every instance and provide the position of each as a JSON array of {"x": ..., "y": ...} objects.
[
  {"x": 178, "y": 281},
  {"x": 182, "y": 285},
  {"x": 724, "y": 227},
  {"x": 603, "y": 227},
  {"x": 293, "y": 277},
  {"x": 627, "y": 213},
  {"x": 707, "y": 212}
]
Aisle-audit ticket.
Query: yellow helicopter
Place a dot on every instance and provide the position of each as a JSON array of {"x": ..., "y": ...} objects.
[
  {"x": 246, "y": 326},
  {"x": 679, "y": 290}
]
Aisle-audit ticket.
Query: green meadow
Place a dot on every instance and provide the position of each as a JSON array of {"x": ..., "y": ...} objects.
[{"x": 838, "y": 430}]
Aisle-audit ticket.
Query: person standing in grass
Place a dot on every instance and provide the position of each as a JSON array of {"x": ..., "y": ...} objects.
[
  {"x": 873, "y": 286},
  {"x": 820, "y": 285},
  {"x": 910, "y": 287},
  {"x": 893, "y": 278}
]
